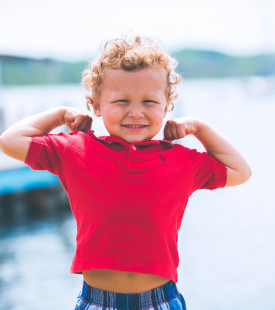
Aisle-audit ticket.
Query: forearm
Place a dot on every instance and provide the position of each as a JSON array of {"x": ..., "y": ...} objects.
[
  {"x": 15, "y": 140},
  {"x": 37, "y": 124},
  {"x": 221, "y": 149}
]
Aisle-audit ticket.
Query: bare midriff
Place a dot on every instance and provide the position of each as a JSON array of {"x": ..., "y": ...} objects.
[{"x": 121, "y": 281}]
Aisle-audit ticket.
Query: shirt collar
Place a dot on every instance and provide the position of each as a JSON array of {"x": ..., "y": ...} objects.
[{"x": 110, "y": 139}]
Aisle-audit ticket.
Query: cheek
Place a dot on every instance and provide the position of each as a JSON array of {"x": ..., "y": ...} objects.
[
  {"x": 113, "y": 113},
  {"x": 158, "y": 115}
]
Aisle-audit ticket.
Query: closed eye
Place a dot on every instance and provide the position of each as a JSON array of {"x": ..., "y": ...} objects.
[
  {"x": 126, "y": 101},
  {"x": 150, "y": 101},
  {"x": 120, "y": 101}
]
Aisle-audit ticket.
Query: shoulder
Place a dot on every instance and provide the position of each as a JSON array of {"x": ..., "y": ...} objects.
[
  {"x": 185, "y": 151},
  {"x": 77, "y": 139},
  {"x": 190, "y": 156},
  {"x": 60, "y": 140},
  {"x": 72, "y": 136}
]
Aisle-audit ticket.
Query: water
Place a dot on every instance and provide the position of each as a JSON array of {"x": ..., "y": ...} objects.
[
  {"x": 226, "y": 242},
  {"x": 35, "y": 260}
]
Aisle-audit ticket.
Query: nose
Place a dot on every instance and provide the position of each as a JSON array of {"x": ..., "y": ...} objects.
[{"x": 136, "y": 110}]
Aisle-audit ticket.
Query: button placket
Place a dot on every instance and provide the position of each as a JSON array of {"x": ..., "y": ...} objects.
[{"x": 132, "y": 153}]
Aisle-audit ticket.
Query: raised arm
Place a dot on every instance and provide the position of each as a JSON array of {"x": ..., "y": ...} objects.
[
  {"x": 15, "y": 141},
  {"x": 238, "y": 171}
]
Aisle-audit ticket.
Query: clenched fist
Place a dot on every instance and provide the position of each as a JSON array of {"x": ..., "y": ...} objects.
[
  {"x": 180, "y": 127},
  {"x": 74, "y": 119}
]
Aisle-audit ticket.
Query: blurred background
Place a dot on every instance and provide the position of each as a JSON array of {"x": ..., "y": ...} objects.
[{"x": 226, "y": 55}]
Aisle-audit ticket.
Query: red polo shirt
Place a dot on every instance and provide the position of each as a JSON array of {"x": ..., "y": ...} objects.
[{"x": 128, "y": 199}]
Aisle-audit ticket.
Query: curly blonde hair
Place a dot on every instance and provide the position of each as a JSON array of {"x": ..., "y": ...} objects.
[{"x": 130, "y": 54}]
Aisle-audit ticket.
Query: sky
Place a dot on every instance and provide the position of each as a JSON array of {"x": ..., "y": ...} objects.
[{"x": 74, "y": 30}]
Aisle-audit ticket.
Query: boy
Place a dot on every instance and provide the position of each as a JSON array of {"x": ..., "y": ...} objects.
[{"x": 127, "y": 192}]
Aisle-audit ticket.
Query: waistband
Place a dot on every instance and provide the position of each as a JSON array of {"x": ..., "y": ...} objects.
[{"x": 147, "y": 299}]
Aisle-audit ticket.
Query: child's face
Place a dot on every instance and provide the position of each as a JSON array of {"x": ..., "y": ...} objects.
[{"x": 132, "y": 103}]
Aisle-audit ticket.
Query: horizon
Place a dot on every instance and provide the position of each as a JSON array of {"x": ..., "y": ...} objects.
[{"x": 36, "y": 57}]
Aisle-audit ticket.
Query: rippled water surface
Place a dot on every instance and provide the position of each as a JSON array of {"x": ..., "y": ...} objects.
[{"x": 35, "y": 260}]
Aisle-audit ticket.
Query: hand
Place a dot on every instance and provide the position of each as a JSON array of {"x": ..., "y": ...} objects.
[
  {"x": 180, "y": 127},
  {"x": 74, "y": 119}
]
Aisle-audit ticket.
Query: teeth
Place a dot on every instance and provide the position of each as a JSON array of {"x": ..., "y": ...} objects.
[{"x": 134, "y": 126}]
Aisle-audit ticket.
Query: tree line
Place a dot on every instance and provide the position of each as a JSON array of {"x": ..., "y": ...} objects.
[{"x": 15, "y": 70}]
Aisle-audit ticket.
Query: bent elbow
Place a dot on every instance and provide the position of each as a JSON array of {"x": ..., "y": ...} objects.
[
  {"x": 15, "y": 147},
  {"x": 2, "y": 143},
  {"x": 249, "y": 174},
  {"x": 5, "y": 143},
  {"x": 246, "y": 175},
  {"x": 238, "y": 177}
]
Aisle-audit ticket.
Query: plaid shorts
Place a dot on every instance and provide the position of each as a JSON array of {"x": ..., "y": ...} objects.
[{"x": 164, "y": 297}]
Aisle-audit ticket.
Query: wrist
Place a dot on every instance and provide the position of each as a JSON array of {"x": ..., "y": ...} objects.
[
  {"x": 200, "y": 128},
  {"x": 60, "y": 115}
]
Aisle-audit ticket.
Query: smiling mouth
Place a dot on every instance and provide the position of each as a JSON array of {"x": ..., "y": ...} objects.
[{"x": 134, "y": 126}]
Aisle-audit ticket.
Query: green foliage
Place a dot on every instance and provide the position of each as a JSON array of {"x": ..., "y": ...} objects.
[
  {"x": 26, "y": 71},
  {"x": 203, "y": 64},
  {"x": 192, "y": 64}
]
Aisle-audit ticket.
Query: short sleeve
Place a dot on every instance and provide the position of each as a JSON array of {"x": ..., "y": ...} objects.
[
  {"x": 45, "y": 152},
  {"x": 208, "y": 173}
]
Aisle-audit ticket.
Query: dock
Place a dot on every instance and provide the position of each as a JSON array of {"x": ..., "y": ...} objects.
[{"x": 27, "y": 194}]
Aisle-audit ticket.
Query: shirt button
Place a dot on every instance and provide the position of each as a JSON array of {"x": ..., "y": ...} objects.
[{"x": 134, "y": 147}]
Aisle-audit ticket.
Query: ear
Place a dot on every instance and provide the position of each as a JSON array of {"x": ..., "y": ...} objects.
[{"x": 90, "y": 101}]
